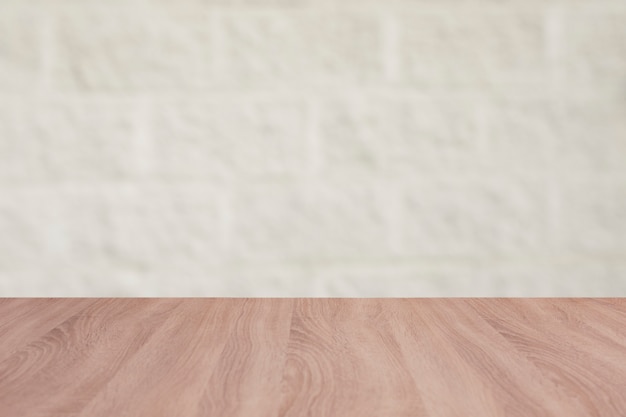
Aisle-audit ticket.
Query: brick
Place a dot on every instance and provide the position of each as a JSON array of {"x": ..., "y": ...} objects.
[
  {"x": 20, "y": 51},
  {"x": 395, "y": 281},
  {"x": 593, "y": 136},
  {"x": 574, "y": 278},
  {"x": 89, "y": 279},
  {"x": 158, "y": 227},
  {"x": 592, "y": 217},
  {"x": 18, "y": 156},
  {"x": 521, "y": 133},
  {"x": 593, "y": 54},
  {"x": 542, "y": 3},
  {"x": 378, "y": 134},
  {"x": 78, "y": 230},
  {"x": 29, "y": 284},
  {"x": 156, "y": 280},
  {"x": 433, "y": 222},
  {"x": 462, "y": 6},
  {"x": 353, "y": 134},
  {"x": 263, "y": 281},
  {"x": 115, "y": 51},
  {"x": 239, "y": 4},
  {"x": 259, "y": 3},
  {"x": 508, "y": 218},
  {"x": 534, "y": 278},
  {"x": 69, "y": 225},
  {"x": 445, "y": 51},
  {"x": 430, "y": 141},
  {"x": 78, "y": 141},
  {"x": 63, "y": 3},
  {"x": 147, "y": 5},
  {"x": 309, "y": 222},
  {"x": 298, "y": 49},
  {"x": 22, "y": 224},
  {"x": 47, "y": 227},
  {"x": 230, "y": 139},
  {"x": 67, "y": 281},
  {"x": 460, "y": 220},
  {"x": 569, "y": 135},
  {"x": 138, "y": 229}
]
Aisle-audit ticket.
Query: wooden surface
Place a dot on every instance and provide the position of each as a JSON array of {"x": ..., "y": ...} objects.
[{"x": 312, "y": 357}]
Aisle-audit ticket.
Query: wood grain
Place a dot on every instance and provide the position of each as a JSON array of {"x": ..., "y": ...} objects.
[{"x": 312, "y": 357}]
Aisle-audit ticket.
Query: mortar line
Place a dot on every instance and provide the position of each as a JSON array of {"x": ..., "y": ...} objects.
[
  {"x": 390, "y": 47},
  {"x": 48, "y": 53},
  {"x": 143, "y": 138}
]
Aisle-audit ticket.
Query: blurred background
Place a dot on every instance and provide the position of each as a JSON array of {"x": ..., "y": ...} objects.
[{"x": 313, "y": 148}]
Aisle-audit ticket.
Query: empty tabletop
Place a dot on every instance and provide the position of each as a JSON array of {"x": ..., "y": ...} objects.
[{"x": 312, "y": 357}]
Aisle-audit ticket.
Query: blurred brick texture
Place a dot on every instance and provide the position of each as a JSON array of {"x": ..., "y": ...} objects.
[{"x": 313, "y": 147}]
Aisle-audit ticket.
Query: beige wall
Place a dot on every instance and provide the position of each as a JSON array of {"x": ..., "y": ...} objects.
[{"x": 313, "y": 147}]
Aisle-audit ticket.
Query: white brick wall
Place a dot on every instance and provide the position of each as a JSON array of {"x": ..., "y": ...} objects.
[
  {"x": 130, "y": 51},
  {"x": 222, "y": 139},
  {"x": 21, "y": 51},
  {"x": 313, "y": 148}
]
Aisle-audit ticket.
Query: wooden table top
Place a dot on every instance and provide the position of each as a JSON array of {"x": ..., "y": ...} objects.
[{"x": 312, "y": 357}]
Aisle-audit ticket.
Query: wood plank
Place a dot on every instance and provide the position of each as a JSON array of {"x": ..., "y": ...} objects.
[
  {"x": 59, "y": 373},
  {"x": 451, "y": 385},
  {"x": 340, "y": 355},
  {"x": 25, "y": 320},
  {"x": 208, "y": 356},
  {"x": 245, "y": 380},
  {"x": 596, "y": 385},
  {"x": 312, "y": 357}
]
